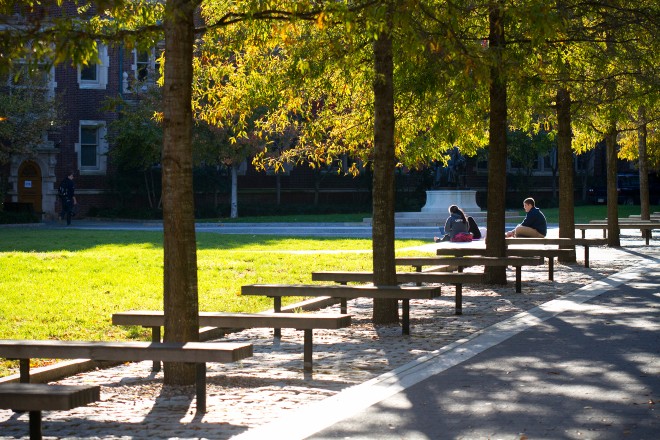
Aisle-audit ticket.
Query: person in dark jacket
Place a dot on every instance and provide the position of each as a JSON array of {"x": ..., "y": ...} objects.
[
  {"x": 456, "y": 222},
  {"x": 67, "y": 197},
  {"x": 534, "y": 225}
]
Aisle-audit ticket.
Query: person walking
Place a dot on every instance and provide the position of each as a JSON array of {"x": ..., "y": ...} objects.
[
  {"x": 456, "y": 222},
  {"x": 67, "y": 197},
  {"x": 534, "y": 225}
]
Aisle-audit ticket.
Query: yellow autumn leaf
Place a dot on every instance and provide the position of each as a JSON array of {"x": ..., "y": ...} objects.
[{"x": 320, "y": 20}]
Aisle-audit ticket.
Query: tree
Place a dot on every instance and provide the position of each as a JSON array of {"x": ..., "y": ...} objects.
[
  {"x": 385, "y": 311},
  {"x": 497, "y": 145},
  {"x": 524, "y": 150},
  {"x": 136, "y": 137},
  {"x": 611, "y": 72}
]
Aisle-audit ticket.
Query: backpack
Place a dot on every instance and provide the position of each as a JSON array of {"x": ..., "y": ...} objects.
[
  {"x": 473, "y": 228},
  {"x": 62, "y": 191},
  {"x": 462, "y": 237}
]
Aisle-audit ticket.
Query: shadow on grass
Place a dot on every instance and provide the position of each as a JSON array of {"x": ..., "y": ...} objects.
[{"x": 51, "y": 239}]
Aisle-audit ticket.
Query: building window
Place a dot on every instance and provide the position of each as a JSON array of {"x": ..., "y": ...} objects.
[
  {"x": 34, "y": 77},
  {"x": 584, "y": 163},
  {"x": 89, "y": 146},
  {"x": 145, "y": 67},
  {"x": 92, "y": 148},
  {"x": 95, "y": 75},
  {"x": 89, "y": 73},
  {"x": 143, "y": 64}
]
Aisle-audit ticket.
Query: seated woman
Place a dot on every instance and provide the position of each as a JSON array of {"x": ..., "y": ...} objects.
[{"x": 456, "y": 222}]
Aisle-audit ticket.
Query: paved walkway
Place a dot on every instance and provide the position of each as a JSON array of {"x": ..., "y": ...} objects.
[
  {"x": 585, "y": 366},
  {"x": 265, "y": 393}
]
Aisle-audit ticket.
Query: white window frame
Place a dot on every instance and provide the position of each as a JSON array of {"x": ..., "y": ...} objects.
[
  {"x": 151, "y": 66},
  {"x": 102, "y": 64},
  {"x": 153, "y": 70},
  {"x": 101, "y": 150}
]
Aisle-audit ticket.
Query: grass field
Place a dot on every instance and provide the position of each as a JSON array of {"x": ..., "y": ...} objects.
[{"x": 65, "y": 284}]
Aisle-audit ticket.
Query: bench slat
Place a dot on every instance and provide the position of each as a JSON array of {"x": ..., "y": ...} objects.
[
  {"x": 557, "y": 241},
  {"x": 339, "y": 291},
  {"x": 189, "y": 352},
  {"x": 43, "y": 397},
  {"x": 401, "y": 277},
  {"x": 510, "y": 252},
  {"x": 469, "y": 261},
  {"x": 300, "y": 321}
]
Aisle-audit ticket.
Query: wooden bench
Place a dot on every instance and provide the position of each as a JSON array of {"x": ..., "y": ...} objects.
[
  {"x": 38, "y": 397},
  {"x": 568, "y": 243},
  {"x": 190, "y": 352},
  {"x": 299, "y": 321},
  {"x": 343, "y": 292},
  {"x": 550, "y": 254},
  {"x": 645, "y": 226},
  {"x": 461, "y": 262},
  {"x": 408, "y": 277}
]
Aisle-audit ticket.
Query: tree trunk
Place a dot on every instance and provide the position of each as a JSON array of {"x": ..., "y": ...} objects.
[
  {"x": 565, "y": 161},
  {"x": 180, "y": 257},
  {"x": 613, "y": 238},
  {"x": 385, "y": 310},
  {"x": 612, "y": 193},
  {"x": 497, "y": 144},
  {"x": 644, "y": 201},
  {"x": 234, "y": 192}
]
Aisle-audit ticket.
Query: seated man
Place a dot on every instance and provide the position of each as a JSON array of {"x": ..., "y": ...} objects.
[{"x": 534, "y": 225}]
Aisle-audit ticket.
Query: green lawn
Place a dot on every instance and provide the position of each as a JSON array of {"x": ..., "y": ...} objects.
[{"x": 65, "y": 284}]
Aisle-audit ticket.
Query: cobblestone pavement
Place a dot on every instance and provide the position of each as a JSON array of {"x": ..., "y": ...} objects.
[{"x": 134, "y": 404}]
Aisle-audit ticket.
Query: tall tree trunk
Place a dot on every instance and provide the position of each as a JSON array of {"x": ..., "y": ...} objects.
[
  {"x": 234, "y": 192},
  {"x": 385, "y": 310},
  {"x": 644, "y": 201},
  {"x": 612, "y": 193},
  {"x": 611, "y": 156},
  {"x": 180, "y": 257},
  {"x": 565, "y": 161},
  {"x": 497, "y": 144}
]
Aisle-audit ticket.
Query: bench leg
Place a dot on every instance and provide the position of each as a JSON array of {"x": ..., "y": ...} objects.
[
  {"x": 307, "y": 350},
  {"x": 518, "y": 279},
  {"x": 200, "y": 386},
  {"x": 459, "y": 300},
  {"x": 586, "y": 255},
  {"x": 343, "y": 305},
  {"x": 24, "y": 370},
  {"x": 277, "y": 307},
  {"x": 155, "y": 337},
  {"x": 551, "y": 268},
  {"x": 35, "y": 425},
  {"x": 405, "y": 316}
]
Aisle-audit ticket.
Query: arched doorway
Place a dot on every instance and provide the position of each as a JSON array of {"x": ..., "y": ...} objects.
[{"x": 29, "y": 185}]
